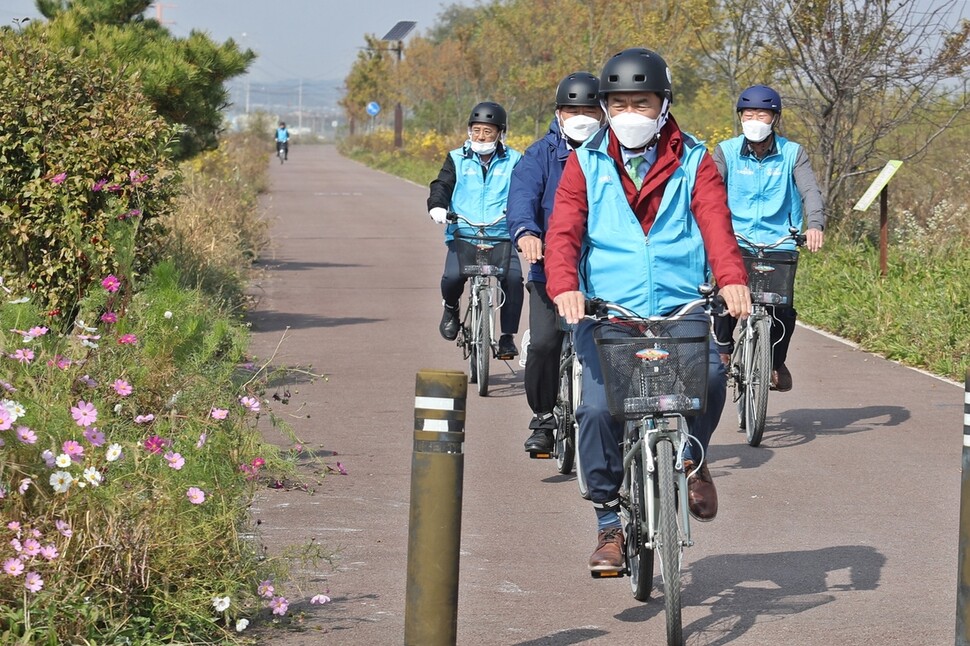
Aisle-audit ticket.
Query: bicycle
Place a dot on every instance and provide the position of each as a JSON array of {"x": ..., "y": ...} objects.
[
  {"x": 281, "y": 151},
  {"x": 483, "y": 260},
  {"x": 771, "y": 279},
  {"x": 655, "y": 371},
  {"x": 568, "y": 398}
]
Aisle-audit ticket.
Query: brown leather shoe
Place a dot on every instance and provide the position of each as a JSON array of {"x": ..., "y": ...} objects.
[
  {"x": 608, "y": 556},
  {"x": 781, "y": 379},
  {"x": 701, "y": 494}
]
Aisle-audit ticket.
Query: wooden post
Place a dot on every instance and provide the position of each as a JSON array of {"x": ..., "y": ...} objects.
[{"x": 884, "y": 230}]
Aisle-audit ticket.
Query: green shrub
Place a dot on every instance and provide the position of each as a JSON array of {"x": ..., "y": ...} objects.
[{"x": 85, "y": 173}]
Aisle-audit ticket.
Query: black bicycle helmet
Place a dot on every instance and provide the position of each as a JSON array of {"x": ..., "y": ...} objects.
[
  {"x": 579, "y": 88},
  {"x": 636, "y": 70},
  {"x": 489, "y": 112},
  {"x": 760, "y": 97}
]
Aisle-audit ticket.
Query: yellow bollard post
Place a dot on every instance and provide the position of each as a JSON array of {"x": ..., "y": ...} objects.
[
  {"x": 434, "y": 524},
  {"x": 963, "y": 558}
]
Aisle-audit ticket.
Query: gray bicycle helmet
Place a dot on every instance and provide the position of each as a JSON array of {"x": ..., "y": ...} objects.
[
  {"x": 489, "y": 112},
  {"x": 580, "y": 89},
  {"x": 636, "y": 70}
]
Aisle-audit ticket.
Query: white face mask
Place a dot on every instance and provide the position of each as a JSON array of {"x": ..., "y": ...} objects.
[
  {"x": 579, "y": 127},
  {"x": 755, "y": 130},
  {"x": 484, "y": 147}
]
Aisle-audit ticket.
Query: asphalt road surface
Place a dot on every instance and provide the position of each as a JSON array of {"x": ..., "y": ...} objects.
[{"x": 842, "y": 528}]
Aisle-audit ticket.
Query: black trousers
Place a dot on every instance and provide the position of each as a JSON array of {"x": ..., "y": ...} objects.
[
  {"x": 782, "y": 328},
  {"x": 452, "y": 286},
  {"x": 545, "y": 342}
]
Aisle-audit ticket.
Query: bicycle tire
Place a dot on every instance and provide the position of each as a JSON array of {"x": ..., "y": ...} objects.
[
  {"x": 669, "y": 539},
  {"x": 484, "y": 343},
  {"x": 468, "y": 328},
  {"x": 577, "y": 391},
  {"x": 740, "y": 377},
  {"x": 565, "y": 438},
  {"x": 756, "y": 407},
  {"x": 639, "y": 559}
]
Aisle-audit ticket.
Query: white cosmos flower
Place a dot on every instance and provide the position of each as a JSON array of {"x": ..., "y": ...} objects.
[
  {"x": 113, "y": 453},
  {"x": 61, "y": 481},
  {"x": 241, "y": 625},
  {"x": 92, "y": 475},
  {"x": 63, "y": 460},
  {"x": 220, "y": 603}
]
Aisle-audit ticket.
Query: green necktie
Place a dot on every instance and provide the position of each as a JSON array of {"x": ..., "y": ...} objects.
[{"x": 633, "y": 169}]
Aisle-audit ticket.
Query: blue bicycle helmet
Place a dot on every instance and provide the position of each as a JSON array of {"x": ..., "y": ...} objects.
[{"x": 760, "y": 97}]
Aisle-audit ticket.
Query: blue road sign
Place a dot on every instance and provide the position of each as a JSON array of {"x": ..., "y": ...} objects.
[{"x": 373, "y": 108}]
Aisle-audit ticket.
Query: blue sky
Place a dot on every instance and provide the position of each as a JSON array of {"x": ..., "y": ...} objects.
[{"x": 308, "y": 39}]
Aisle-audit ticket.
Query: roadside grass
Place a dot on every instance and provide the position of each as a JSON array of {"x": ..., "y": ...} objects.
[{"x": 919, "y": 314}]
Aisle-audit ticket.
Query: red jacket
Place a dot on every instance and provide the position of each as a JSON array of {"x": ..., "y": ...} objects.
[{"x": 567, "y": 225}]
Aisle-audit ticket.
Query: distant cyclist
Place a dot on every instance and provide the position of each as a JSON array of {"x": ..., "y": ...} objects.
[
  {"x": 283, "y": 140},
  {"x": 532, "y": 192},
  {"x": 770, "y": 187}
]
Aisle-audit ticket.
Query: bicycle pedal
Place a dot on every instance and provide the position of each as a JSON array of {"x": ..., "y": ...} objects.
[
  {"x": 607, "y": 574},
  {"x": 505, "y": 357},
  {"x": 540, "y": 455}
]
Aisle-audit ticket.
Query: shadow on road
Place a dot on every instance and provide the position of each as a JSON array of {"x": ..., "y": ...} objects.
[
  {"x": 565, "y": 638},
  {"x": 738, "y": 588},
  {"x": 801, "y": 426},
  {"x": 272, "y": 321},
  {"x": 294, "y": 265}
]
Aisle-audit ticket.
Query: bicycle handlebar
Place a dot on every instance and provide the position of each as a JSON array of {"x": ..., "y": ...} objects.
[
  {"x": 455, "y": 217},
  {"x": 793, "y": 234},
  {"x": 710, "y": 300}
]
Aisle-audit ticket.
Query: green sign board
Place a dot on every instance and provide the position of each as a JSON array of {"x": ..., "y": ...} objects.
[{"x": 877, "y": 185}]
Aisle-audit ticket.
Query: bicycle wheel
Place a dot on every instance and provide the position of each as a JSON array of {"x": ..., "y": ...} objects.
[
  {"x": 639, "y": 559},
  {"x": 759, "y": 378},
  {"x": 565, "y": 438},
  {"x": 483, "y": 350},
  {"x": 577, "y": 373},
  {"x": 740, "y": 376},
  {"x": 670, "y": 545}
]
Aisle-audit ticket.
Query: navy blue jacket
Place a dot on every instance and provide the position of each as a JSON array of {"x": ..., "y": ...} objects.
[{"x": 533, "y": 189}]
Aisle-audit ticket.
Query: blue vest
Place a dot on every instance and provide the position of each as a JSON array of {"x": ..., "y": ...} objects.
[
  {"x": 652, "y": 274},
  {"x": 762, "y": 195},
  {"x": 481, "y": 197},
  {"x": 282, "y": 134}
]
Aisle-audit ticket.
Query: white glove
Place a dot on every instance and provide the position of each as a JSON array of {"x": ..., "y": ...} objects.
[{"x": 439, "y": 215}]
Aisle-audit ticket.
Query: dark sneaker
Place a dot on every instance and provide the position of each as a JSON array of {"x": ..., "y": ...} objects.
[
  {"x": 781, "y": 379},
  {"x": 608, "y": 556},
  {"x": 506, "y": 347},
  {"x": 449, "y": 323},
  {"x": 701, "y": 494},
  {"x": 541, "y": 441}
]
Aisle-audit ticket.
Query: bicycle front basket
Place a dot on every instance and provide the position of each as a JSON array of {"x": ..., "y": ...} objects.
[
  {"x": 654, "y": 367},
  {"x": 771, "y": 278},
  {"x": 482, "y": 255}
]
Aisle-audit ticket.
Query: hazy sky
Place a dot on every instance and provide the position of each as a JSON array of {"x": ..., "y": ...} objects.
[{"x": 309, "y": 39}]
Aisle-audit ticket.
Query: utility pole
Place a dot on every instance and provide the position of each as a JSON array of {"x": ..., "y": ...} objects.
[
  {"x": 299, "y": 122},
  {"x": 159, "y": 8}
]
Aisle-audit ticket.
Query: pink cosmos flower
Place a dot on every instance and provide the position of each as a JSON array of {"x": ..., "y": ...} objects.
[
  {"x": 88, "y": 381},
  {"x": 36, "y": 331},
  {"x": 175, "y": 460},
  {"x": 64, "y": 528},
  {"x": 136, "y": 177},
  {"x": 31, "y": 547},
  {"x": 16, "y": 545},
  {"x": 279, "y": 605},
  {"x": 13, "y": 567},
  {"x": 196, "y": 495},
  {"x": 49, "y": 458},
  {"x": 155, "y": 444},
  {"x": 250, "y": 403},
  {"x": 127, "y": 339},
  {"x": 23, "y": 355},
  {"x": 6, "y": 420},
  {"x": 24, "y": 485},
  {"x": 33, "y": 582},
  {"x": 62, "y": 362},
  {"x": 84, "y": 414},
  {"x": 49, "y": 552},
  {"x": 14, "y": 526},
  {"x": 319, "y": 599},
  {"x": 94, "y": 436},
  {"x": 258, "y": 462},
  {"x": 265, "y": 589},
  {"x": 219, "y": 413},
  {"x": 109, "y": 317},
  {"x": 111, "y": 283},
  {"x": 98, "y": 185},
  {"x": 26, "y": 435},
  {"x": 122, "y": 387},
  {"x": 59, "y": 178},
  {"x": 74, "y": 449},
  {"x": 144, "y": 419}
]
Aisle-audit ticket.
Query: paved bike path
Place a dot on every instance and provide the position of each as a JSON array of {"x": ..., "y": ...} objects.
[{"x": 842, "y": 527}]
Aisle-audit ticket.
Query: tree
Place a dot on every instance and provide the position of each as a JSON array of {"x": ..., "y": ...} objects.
[
  {"x": 371, "y": 79},
  {"x": 856, "y": 71},
  {"x": 183, "y": 78}
]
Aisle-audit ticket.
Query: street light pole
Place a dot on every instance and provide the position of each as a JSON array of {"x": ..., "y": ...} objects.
[{"x": 398, "y": 33}]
